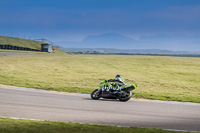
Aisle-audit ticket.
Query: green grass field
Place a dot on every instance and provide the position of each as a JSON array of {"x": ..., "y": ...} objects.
[
  {"x": 29, "y": 126},
  {"x": 158, "y": 77}
]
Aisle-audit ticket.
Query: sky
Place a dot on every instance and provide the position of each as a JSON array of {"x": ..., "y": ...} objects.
[{"x": 74, "y": 20}]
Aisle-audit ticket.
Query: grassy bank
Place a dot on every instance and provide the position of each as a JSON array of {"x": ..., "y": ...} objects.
[
  {"x": 158, "y": 77},
  {"x": 20, "y": 42},
  {"x": 8, "y": 125}
]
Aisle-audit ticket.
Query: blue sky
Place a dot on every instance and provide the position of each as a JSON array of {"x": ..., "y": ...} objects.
[{"x": 73, "y": 20}]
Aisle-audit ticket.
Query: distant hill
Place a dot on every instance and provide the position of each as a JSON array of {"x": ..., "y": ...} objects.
[
  {"x": 24, "y": 43},
  {"x": 108, "y": 40},
  {"x": 20, "y": 42},
  {"x": 176, "y": 42}
]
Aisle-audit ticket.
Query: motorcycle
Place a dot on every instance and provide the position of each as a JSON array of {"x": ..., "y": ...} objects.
[{"x": 123, "y": 93}]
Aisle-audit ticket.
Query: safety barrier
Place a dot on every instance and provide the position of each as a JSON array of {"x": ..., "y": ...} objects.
[{"x": 11, "y": 47}]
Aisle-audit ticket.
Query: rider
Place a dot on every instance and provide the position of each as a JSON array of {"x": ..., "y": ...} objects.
[{"x": 117, "y": 82}]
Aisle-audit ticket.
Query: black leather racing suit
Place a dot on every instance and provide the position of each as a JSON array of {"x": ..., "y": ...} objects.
[{"x": 117, "y": 83}]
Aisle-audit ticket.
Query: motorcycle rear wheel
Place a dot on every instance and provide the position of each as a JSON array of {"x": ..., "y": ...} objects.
[
  {"x": 126, "y": 97},
  {"x": 95, "y": 94}
]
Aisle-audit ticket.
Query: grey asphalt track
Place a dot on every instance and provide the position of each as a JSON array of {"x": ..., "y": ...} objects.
[
  {"x": 56, "y": 106},
  {"x": 13, "y": 53}
]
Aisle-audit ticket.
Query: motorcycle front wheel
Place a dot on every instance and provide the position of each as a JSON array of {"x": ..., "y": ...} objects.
[
  {"x": 95, "y": 94},
  {"x": 126, "y": 97}
]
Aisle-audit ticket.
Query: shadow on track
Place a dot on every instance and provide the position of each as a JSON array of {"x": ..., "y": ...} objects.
[{"x": 102, "y": 99}]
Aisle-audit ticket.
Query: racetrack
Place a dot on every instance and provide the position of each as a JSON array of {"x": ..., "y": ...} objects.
[
  {"x": 13, "y": 53},
  {"x": 56, "y": 106}
]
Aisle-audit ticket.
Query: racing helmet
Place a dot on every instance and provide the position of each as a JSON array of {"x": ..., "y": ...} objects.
[{"x": 119, "y": 77}]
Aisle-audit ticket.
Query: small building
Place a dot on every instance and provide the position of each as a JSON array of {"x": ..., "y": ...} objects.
[{"x": 47, "y": 48}]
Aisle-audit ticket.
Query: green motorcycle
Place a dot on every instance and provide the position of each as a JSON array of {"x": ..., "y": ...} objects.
[{"x": 123, "y": 93}]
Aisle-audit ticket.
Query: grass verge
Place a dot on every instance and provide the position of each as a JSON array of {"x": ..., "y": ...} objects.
[{"x": 8, "y": 125}]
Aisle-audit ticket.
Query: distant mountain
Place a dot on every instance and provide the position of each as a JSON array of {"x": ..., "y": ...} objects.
[
  {"x": 177, "y": 42},
  {"x": 108, "y": 40}
]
